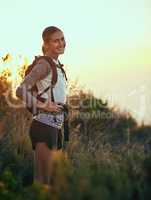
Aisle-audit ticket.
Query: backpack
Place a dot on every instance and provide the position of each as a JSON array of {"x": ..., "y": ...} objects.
[
  {"x": 34, "y": 89},
  {"x": 53, "y": 68}
]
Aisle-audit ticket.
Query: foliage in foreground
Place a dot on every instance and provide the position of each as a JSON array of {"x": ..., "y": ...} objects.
[
  {"x": 108, "y": 156},
  {"x": 92, "y": 180}
]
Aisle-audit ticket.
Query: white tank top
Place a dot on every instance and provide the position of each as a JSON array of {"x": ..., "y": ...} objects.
[{"x": 59, "y": 90}]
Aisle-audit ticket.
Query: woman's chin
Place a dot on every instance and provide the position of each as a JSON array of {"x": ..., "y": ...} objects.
[{"x": 61, "y": 52}]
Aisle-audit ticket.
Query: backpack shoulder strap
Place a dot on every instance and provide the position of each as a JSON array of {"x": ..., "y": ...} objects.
[
  {"x": 54, "y": 74},
  {"x": 53, "y": 68},
  {"x": 62, "y": 69}
]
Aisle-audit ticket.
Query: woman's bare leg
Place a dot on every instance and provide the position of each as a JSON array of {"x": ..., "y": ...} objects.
[
  {"x": 43, "y": 163},
  {"x": 40, "y": 159}
]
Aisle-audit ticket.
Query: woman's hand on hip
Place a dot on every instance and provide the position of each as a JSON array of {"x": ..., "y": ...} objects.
[{"x": 52, "y": 106}]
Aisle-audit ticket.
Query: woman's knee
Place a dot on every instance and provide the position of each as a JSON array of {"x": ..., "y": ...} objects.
[{"x": 41, "y": 146}]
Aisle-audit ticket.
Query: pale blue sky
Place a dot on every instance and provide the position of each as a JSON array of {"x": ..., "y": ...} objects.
[{"x": 108, "y": 42}]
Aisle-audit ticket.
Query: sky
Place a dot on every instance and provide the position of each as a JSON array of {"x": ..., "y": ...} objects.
[{"x": 108, "y": 44}]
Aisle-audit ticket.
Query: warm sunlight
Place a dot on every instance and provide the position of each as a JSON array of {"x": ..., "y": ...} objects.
[
  {"x": 109, "y": 39},
  {"x": 12, "y": 68},
  {"x": 82, "y": 131}
]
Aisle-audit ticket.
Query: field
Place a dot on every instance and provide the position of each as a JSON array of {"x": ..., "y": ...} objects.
[{"x": 107, "y": 157}]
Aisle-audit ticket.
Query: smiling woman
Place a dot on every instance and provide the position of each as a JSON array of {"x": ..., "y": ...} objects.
[
  {"x": 53, "y": 41},
  {"x": 45, "y": 131}
]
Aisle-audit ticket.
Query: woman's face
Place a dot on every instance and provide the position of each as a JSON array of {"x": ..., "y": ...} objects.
[{"x": 56, "y": 44}]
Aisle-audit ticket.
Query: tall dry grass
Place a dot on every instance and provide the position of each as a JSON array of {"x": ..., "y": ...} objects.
[{"x": 107, "y": 156}]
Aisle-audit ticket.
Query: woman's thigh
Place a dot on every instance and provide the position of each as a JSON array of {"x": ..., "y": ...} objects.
[{"x": 42, "y": 133}]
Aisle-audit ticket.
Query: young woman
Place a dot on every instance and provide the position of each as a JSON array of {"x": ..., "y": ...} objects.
[{"x": 45, "y": 129}]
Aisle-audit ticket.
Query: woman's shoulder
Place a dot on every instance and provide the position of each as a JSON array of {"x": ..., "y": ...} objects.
[
  {"x": 42, "y": 67},
  {"x": 41, "y": 61}
]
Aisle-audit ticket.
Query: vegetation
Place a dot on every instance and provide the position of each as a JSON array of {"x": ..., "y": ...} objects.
[{"x": 108, "y": 156}]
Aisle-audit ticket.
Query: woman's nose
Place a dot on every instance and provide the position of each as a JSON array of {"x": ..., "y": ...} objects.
[{"x": 61, "y": 43}]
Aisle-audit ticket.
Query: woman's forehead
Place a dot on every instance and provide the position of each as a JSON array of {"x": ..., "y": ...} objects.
[{"x": 56, "y": 35}]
